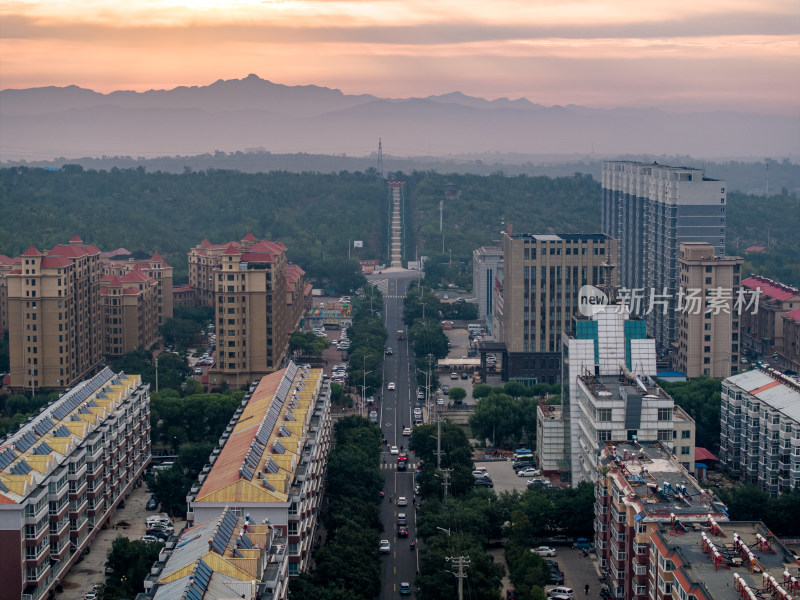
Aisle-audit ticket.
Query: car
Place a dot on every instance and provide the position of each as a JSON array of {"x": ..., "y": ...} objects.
[
  {"x": 518, "y": 465},
  {"x": 528, "y": 472},
  {"x": 420, "y": 395},
  {"x": 538, "y": 481},
  {"x": 440, "y": 401},
  {"x": 402, "y": 501},
  {"x": 407, "y": 431},
  {"x": 401, "y": 334},
  {"x": 391, "y": 386},
  {"x": 417, "y": 412},
  {"x": 198, "y": 371},
  {"x": 454, "y": 375},
  {"x": 402, "y": 532},
  {"x": 90, "y": 596},
  {"x": 557, "y": 576},
  {"x": 484, "y": 482},
  {"x": 478, "y": 474},
  {"x": 583, "y": 544},
  {"x": 402, "y": 457},
  {"x": 388, "y": 352},
  {"x": 401, "y": 465},
  {"x": 445, "y": 297},
  {"x": 551, "y": 564},
  {"x": 149, "y": 538},
  {"x": 446, "y": 390},
  {"x": 401, "y": 519},
  {"x": 385, "y": 547},
  {"x": 464, "y": 376},
  {"x": 544, "y": 551},
  {"x": 394, "y": 450},
  {"x": 405, "y": 588},
  {"x": 561, "y": 591}
]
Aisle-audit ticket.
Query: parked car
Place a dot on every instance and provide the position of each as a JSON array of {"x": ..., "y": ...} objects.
[
  {"x": 561, "y": 590},
  {"x": 149, "y": 538},
  {"x": 583, "y": 544},
  {"x": 544, "y": 551},
  {"x": 538, "y": 481},
  {"x": 465, "y": 375},
  {"x": 557, "y": 577},
  {"x": 454, "y": 375},
  {"x": 528, "y": 472},
  {"x": 560, "y": 539},
  {"x": 385, "y": 547},
  {"x": 478, "y": 474},
  {"x": 446, "y": 390},
  {"x": 484, "y": 482},
  {"x": 152, "y": 504}
]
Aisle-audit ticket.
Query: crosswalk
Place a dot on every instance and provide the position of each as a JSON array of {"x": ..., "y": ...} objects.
[{"x": 392, "y": 466}]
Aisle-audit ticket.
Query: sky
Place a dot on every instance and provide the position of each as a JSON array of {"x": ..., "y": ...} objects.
[{"x": 678, "y": 55}]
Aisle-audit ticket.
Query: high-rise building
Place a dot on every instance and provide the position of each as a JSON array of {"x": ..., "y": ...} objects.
[
  {"x": 6, "y": 266},
  {"x": 64, "y": 473},
  {"x": 542, "y": 275},
  {"x": 642, "y": 489},
  {"x": 121, "y": 261},
  {"x": 130, "y": 312},
  {"x": 651, "y": 209},
  {"x": 760, "y": 421},
  {"x": 272, "y": 460},
  {"x": 791, "y": 339},
  {"x": 709, "y": 323},
  {"x": 608, "y": 393},
  {"x": 487, "y": 272},
  {"x": 55, "y": 323}
]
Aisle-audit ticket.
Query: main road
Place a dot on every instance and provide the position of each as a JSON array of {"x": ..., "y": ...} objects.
[{"x": 400, "y": 565}]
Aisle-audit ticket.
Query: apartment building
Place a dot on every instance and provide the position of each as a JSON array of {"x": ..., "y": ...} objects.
[
  {"x": 487, "y": 272},
  {"x": 542, "y": 275},
  {"x": 228, "y": 556},
  {"x": 791, "y": 339},
  {"x": 63, "y": 474},
  {"x": 709, "y": 335},
  {"x": 762, "y": 329},
  {"x": 55, "y": 323},
  {"x": 129, "y": 306},
  {"x": 6, "y": 265},
  {"x": 760, "y": 429},
  {"x": 121, "y": 262},
  {"x": 718, "y": 561},
  {"x": 608, "y": 392},
  {"x": 258, "y": 299},
  {"x": 271, "y": 460},
  {"x": 642, "y": 487},
  {"x": 651, "y": 209}
]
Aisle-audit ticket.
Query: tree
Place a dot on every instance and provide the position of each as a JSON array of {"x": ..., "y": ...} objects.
[
  {"x": 700, "y": 398},
  {"x": 497, "y": 419},
  {"x": 131, "y": 562},
  {"x": 457, "y": 394},
  {"x": 481, "y": 391},
  {"x": 170, "y": 487}
]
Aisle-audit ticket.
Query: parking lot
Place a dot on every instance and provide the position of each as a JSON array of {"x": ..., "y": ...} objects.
[{"x": 128, "y": 522}]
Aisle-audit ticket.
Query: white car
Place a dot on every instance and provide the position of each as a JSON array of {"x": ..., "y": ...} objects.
[
  {"x": 391, "y": 386},
  {"x": 440, "y": 401},
  {"x": 402, "y": 501},
  {"x": 385, "y": 547},
  {"x": 529, "y": 472},
  {"x": 407, "y": 431},
  {"x": 394, "y": 450},
  {"x": 149, "y": 538},
  {"x": 544, "y": 551}
]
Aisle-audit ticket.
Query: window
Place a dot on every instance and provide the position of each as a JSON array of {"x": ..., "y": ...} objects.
[
  {"x": 664, "y": 435},
  {"x": 604, "y": 414},
  {"x": 685, "y": 450},
  {"x": 665, "y": 414},
  {"x": 686, "y": 434}
]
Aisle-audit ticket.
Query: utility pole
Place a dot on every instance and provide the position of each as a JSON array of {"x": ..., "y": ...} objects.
[
  {"x": 156, "y": 363},
  {"x": 461, "y": 562},
  {"x": 439, "y": 443},
  {"x": 446, "y": 481}
]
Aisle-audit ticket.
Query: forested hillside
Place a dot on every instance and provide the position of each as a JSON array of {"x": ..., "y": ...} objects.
[{"x": 319, "y": 215}]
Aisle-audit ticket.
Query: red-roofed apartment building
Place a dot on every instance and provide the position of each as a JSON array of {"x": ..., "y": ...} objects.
[
  {"x": 258, "y": 300},
  {"x": 54, "y": 319},
  {"x": 763, "y": 331},
  {"x": 130, "y": 311},
  {"x": 791, "y": 338},
  {"x": 122, "y": 262},
  {"x": 6, "y": 266}
]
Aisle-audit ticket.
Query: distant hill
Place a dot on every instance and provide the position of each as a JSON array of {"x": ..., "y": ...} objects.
[{"x": 252, "y": 113}]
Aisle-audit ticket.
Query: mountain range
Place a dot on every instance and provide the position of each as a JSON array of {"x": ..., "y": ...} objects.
[{"x": 252, "y": 113}]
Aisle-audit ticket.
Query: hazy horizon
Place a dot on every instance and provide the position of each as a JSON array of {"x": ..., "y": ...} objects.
[{"x": 674, "y": 56}]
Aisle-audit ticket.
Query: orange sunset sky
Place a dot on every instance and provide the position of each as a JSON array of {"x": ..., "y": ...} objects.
[{"x": 673, "y": 54}]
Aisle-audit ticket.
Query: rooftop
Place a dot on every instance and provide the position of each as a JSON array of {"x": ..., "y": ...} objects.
[
  {"x": 258, "y": 461},
  {"x": 613, "y": 387},
  {"x": 694, "y": 562},
  {"x": 771, "y": 387},
  {"x": 560, "y": 237},
  {"x": 46, "y": 440},
  {"x": 214, "y": 559},
  {"x": 770, "y": 288},
  {"x": 658, "y": 485}
]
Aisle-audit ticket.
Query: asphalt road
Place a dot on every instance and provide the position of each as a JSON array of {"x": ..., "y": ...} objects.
[{"x": 396, "y": 411}]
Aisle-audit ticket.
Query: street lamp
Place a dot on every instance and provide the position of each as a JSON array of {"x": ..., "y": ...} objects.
[{"x": 364, "y": 383}]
